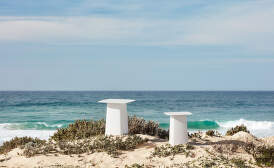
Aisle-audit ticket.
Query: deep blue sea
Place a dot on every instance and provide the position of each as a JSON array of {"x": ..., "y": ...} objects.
[{"x": 40, "y": 113}]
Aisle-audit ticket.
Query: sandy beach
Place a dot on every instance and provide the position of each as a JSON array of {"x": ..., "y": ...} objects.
[
  {"x": 224, "y": 151},
  {"x": 136, "y": 84}
]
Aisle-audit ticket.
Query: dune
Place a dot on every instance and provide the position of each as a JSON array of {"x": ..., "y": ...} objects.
[{"x": 211, "y": 151}]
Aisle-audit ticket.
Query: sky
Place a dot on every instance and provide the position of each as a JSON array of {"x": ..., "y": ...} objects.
[{"x": 136, "y": 45}]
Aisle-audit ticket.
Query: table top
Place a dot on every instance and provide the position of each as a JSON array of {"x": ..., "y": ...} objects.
[
  {"x": 178, "y": 113},
  {"x": 116, "y": 101}
]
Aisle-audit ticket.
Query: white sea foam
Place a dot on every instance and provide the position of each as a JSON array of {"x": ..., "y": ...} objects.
[
  {"x": 11, "y": 130},
  {"x": 254, "y": 125},
  {"x": 7, "y": 134},
  {"x": 258, "y": 128},
  {"x": 50, "y": 126}
]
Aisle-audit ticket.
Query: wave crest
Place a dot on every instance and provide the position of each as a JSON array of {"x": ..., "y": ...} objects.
[
  {"x": 252, "y": 125},
  {"x": 31, "y": 126}
]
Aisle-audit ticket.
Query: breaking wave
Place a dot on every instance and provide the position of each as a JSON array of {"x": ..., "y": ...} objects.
[{"x": 44, "y": 130}]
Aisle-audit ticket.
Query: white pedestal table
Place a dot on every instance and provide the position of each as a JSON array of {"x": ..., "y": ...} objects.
[
  {"x": 178, "y": 127},
  {"x": 116, "y": 116}
]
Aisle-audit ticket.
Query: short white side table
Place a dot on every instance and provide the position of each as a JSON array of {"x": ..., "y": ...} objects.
[
  {"x": 178, "y": 127},
  {"x": 116, "y": 116}
]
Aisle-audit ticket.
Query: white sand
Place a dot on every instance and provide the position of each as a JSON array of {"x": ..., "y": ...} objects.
[{"x": 204, "y": 148}]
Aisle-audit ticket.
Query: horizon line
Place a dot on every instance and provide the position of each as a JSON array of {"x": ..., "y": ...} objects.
[{"x": 135, "y": 90}]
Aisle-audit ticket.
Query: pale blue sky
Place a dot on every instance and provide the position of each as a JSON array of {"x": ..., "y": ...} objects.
[{"x": 136, "y": 45}]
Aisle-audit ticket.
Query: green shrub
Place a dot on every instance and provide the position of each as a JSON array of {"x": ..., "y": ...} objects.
[
  {"x": 31, "y": 149},
  {"x": 239, "y": 163},
  {"x": 140, "y": 126},
  {"x": 213, "y": 133},
  {"x": 111, "y": 145},
  {"x": 135, "y": 165},
  {"x": 208, "y": 164},
  {"x": 249, "y": 147},
  {"x": 236, "y": 129},
  {"x": 19, "y": 142},
  {"x": 210, "y": 133},
  {"x": 195, "y": 135},
  {"x": 264, "y": 155},
  {"x": 189, "y": 147},
  {"x": 168, "y": 150},
  {"x": 82, "y": 129}
]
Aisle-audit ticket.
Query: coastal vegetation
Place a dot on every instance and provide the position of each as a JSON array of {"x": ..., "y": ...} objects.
[
  {"x": 135, "y": 165},
  {"x": 237, "y": 129},
  {"x": 168, "y": 150},
  {"x": 109, "y": 144},
  {"x": 87, "y": 137},
  {"x": 81, "y": 129},
  {"x": 212, "y": 133},
  {"x": 138, "y": 125},
  {"x": 20, "y": 142},
  {"x": 264, "y": 155}
]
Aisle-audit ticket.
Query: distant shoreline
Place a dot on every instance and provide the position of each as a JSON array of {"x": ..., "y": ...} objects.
[{"x": 136, "y": 90}]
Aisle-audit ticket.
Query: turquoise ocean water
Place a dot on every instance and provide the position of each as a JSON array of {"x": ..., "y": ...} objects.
[{"x": 40, "y": 113}]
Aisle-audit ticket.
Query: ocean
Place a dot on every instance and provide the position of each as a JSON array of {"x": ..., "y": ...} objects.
[{"x": 40, "y": 113}]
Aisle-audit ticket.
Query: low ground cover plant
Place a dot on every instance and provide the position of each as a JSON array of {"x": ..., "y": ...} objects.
[
  {"x": 168, "y": 150},
  {"x": 135, "y": 165},
  {"x": 19, "y": 142},
  {"x": 109, "y": 144},
  {"x": 264, "y": 156}
]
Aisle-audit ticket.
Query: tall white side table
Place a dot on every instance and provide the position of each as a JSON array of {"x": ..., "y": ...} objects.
[
  {"x": 116, "y": 116},
  {"x": 178, "y": 127}
]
